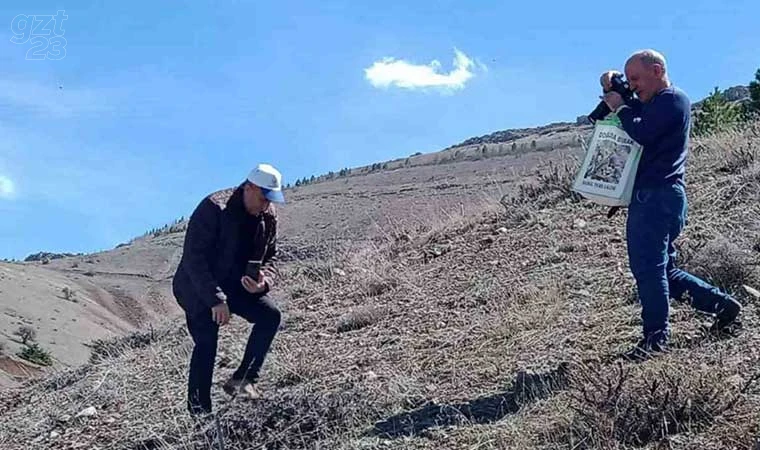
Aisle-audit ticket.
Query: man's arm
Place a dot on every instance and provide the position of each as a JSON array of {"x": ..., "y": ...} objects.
[
  {"x": 647, "y": 124},
  {"x": 200, "y": 241},
  {"x": 268, "y": 264}
]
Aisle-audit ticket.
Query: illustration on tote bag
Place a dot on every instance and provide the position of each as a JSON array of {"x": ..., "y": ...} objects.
[{"x": 609, "y": 167}]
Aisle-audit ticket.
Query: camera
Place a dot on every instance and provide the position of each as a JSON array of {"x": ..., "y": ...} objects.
[{"x": 619, "y": 85}]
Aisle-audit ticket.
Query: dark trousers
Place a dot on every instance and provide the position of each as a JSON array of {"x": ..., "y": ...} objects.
[
  {"x": 656, "y": 216},
  {"x": 256, "y": 309}
]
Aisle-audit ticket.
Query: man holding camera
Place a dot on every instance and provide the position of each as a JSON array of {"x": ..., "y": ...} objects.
[
  {"x": 227, "y": 266},
  {"x": 659, "y": 119}
]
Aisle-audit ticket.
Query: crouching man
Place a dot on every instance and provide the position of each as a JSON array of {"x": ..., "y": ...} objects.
[
  {"x": 659, "y": 120},
  {"x": 228, "y": 229}
]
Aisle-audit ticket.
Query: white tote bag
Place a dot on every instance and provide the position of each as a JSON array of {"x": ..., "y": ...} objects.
[{"x": 609, "y": 168}]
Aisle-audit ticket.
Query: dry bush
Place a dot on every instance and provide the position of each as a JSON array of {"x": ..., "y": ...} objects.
[
  {"x": 372, "y": 269},
  {"x": 68, "y": 293},
  {"x": 729, "y": 152},
  {"x": 725, "y": 264},
  {"x": 360, "y": 318},
  {"x": 3, "y": 347},
  {"x": 318, "y": 271},
  {"x": 553, "y": 184},
  {"x": 26, "y": 333},
  {"x": 107, "y": 348},
  {"x": 516, "y": 215},
  {"x": 642, "y": 405}
]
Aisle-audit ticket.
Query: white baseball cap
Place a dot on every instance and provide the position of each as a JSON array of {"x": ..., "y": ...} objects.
[{"x": 269, "y": 180}]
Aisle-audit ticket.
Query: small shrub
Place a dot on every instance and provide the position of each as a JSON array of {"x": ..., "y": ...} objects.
[
  {"x": 553, "y": 184},
  {"x": 26, "y": 333},
  {"x": 376, "y": 288},
  {"x": 318, "y": 271},
  {"x": 359, "y": 318},
  {"x": 724, "y": 264},
  {"x": 36, "y": 354},
  {"x": 2, "y": 348},
  {"x": 68, "y": 293},
  {"x": 102, "y": 349},
  {"x": 642, "y": 408}
]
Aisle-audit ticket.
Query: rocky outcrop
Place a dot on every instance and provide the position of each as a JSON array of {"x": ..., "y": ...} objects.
[{"x": 47, "y": 256}]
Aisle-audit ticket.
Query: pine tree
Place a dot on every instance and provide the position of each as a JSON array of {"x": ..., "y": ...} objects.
[
  {"x": 716, "y": 114},
  {"x": 753, "y": 106}
]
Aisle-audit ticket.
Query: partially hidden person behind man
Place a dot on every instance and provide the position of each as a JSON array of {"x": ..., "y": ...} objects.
[
  {"x": 228, "y": 229},
  {"x": 659, "y": 119}
]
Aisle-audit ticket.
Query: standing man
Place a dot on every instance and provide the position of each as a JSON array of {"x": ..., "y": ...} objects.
[
  {"x": 659, "y": 120},
  {"x": 228, "y": 229}
]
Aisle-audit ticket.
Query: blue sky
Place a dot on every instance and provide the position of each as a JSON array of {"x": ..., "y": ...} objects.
[{"x": 151, "y": 107}]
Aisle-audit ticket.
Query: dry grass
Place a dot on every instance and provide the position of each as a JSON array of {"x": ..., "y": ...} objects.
[{"x": 497, "y": 330}]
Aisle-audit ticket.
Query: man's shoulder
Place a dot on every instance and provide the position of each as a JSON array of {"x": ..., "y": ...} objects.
[
  {"x": 676, "y": 93},
  {"x": 220, "y": 198},
  {"x": 213, "y": 204}
]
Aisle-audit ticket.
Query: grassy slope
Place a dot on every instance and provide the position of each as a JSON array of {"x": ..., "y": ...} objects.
[{"x": 436, "y": 323}]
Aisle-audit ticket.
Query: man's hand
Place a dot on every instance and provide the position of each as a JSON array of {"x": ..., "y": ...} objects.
[
  {"x": 255, "y": 287},
  {"x": 613, "y": 100},
  {"x": 606, "y": 79},
  {"x": 220, "y": 314}
]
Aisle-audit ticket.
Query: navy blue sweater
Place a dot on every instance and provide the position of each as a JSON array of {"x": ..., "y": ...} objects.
[{"x": 661, "y": 126}]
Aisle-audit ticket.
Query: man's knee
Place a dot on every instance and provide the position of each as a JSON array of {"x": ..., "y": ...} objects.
[
  {"x": 263, "y": 313},
  {"x": 271, "y": 314}
]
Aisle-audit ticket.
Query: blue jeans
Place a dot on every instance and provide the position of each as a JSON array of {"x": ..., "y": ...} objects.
[{"x": 656, "y": 217}]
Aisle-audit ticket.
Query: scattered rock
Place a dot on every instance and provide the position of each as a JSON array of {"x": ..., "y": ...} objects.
[
  {"x": 90, "y": 411},
  {"x": 64, "y": 418},
  {"x": 502, "y": 230},
  {"x": 339, "y": 272},
  {"x": 752, "y": 291},
  {"x": 579, "y": 224},
  {"x": 54, "y": 434},
  {"x": 371, "y": 375}
]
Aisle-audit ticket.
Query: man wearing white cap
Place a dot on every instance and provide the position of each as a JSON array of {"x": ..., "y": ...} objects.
[{"x": 227, "y": 266}]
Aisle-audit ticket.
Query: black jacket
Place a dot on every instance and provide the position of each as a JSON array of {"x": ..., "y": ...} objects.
[{"x": 221, "y": 237}]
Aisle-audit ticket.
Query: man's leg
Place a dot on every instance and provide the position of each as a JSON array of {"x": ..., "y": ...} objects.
[
  {"x": 205, "y": 333},
  {"x": 262, "y": 312},
  {"x": 647, "y": 235},
  {"x": 704, "y": 296}
]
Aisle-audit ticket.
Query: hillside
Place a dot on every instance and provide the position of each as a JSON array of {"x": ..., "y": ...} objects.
[
  {"x": 129, "y": 288},
  {"x": 476, "y": 304}
]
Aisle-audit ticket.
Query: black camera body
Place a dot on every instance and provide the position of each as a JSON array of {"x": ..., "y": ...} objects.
[{"x": 619, "y": 85}]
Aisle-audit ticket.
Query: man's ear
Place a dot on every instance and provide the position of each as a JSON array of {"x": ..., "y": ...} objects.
[{"x": 658, "y": 70}]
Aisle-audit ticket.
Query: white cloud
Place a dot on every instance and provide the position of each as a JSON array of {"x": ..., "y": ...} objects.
[
  {"x": 397, "y": 72},
  {"x": 6, "y": 187}
]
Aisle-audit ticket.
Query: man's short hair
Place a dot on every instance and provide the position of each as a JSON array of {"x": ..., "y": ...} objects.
[{"x": 649, "y": 57}]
